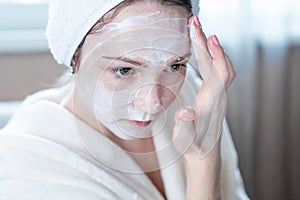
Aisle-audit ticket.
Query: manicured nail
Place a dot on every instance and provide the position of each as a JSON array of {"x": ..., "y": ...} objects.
[
  {"x": 197, "y": 22},
  {"x": 187, "y": 114},
  {"x": 216, "y": 40}
]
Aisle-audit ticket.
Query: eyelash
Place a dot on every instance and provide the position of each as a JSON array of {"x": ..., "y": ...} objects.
[
  {"x": 132, "y": 71},
  {"x": 178, "y": 64},
  {"x": 118, "y": 69}
]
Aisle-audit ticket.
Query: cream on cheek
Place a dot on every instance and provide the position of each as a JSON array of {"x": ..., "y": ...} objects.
[
  {"x": 126, "y": 80},
  {"x": 118, "y": 102}
]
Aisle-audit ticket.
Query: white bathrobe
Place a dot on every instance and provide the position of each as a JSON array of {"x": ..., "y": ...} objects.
[{"x": 43, "y": 157}]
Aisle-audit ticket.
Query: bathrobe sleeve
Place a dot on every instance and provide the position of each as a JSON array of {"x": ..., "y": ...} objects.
[
  {"x": 34, "y": 168},
  {"x": 43, "y": 158}
]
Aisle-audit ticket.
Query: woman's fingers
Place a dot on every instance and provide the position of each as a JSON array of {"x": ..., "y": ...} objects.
[
  {"x": 196, "y": 27},
  {"x": 199, "y": 44},
  {"x": 195, "y": 140},
  {"x": 210, "y": 54},
  {"x": 220, "y": 64},
  {"x": 231, "y": 70},
  {"x": 221, "y": 61},
  {"x": 184, "y": 133},
  {"x": 217, "y": 72}
]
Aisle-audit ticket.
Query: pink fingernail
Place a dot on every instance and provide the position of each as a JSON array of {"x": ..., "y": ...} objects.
[
  {"x": 216, "y": 40},
  {"x": 187, "y": 114},
  {"x": 197, "y": 22}
]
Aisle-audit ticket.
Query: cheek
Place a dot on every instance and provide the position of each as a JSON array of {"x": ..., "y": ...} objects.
[
  {"x": 107, "y": 80},
  {"x": 98, "y": 74},
  {"x": 169, "y": 94}
]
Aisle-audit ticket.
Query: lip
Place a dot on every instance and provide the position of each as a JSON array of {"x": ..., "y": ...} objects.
[{"x": 141, "y": 123}]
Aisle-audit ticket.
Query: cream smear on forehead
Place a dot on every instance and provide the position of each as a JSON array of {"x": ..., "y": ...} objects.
[
  {"x": 154, "y": 19},
  {"x": 156, "y": 22},
  {"x": 153, "y": 38}
]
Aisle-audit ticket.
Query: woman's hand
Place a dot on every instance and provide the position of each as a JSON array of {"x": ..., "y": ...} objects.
[{"x": 197, "y": 130}]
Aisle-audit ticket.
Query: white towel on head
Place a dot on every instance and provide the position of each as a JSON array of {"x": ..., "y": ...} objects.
[
  {"x": 68, "y": 23},
  {"x": 70, "y": 20}
]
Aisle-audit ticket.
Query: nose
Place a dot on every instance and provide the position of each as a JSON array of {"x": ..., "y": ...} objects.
[{"x": 148, "y": 98}]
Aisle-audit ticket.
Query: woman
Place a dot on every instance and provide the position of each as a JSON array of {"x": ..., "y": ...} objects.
[{"x": 122, "y": 127}]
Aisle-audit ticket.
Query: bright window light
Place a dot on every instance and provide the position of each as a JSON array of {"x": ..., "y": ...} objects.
[{"x": 24, "y": 1}]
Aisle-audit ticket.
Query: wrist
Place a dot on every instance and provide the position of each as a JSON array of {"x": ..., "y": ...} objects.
[{"x": 204, "y": 175}]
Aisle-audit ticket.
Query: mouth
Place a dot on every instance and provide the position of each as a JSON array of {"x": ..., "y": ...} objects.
[{"x": 141, "y": 123}]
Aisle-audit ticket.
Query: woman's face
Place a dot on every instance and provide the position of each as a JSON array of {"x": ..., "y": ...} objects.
[{"x": 132, "y": 68}]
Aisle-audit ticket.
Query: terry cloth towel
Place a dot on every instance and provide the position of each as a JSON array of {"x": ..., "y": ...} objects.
[{"x": 70, "y": 20}]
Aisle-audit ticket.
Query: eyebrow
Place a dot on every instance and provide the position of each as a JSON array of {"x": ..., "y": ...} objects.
[
  {"x": 181, "y": 58},
  {"x": 124, "y": 59},
  {"x": 134, "y": 62}
]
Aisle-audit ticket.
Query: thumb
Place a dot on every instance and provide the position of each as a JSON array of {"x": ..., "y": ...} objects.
[{"x": 184, "y": 133}]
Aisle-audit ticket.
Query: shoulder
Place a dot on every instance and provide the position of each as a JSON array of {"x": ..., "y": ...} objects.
[{"x": 34, "y": 168}]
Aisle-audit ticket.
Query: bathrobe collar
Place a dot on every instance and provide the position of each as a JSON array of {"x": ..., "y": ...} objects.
[{"x": 52, "y": 121}]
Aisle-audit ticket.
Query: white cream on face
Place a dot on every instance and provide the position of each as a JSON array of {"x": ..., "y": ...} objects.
[{"x": 132, "y": 70}]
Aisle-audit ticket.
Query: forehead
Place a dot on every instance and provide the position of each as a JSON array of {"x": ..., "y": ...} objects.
[
  {"x": 142, "y": 7},
  {"x": 141, "y": 26}
]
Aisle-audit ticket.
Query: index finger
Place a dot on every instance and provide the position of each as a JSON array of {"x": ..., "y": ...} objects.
[{"x": 201, "y": 51}]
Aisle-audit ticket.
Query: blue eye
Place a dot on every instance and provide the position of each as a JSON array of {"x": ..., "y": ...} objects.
[
  {"x": 123, "y": 71},
  {"x": 175, "y": 67}
]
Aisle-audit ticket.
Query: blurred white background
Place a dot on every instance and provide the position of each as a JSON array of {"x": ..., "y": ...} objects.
[{"x": 263, "y": 40}]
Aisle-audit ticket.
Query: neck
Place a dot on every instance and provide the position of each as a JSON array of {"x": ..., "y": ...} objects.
[{"x": 142, "y": 151}]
